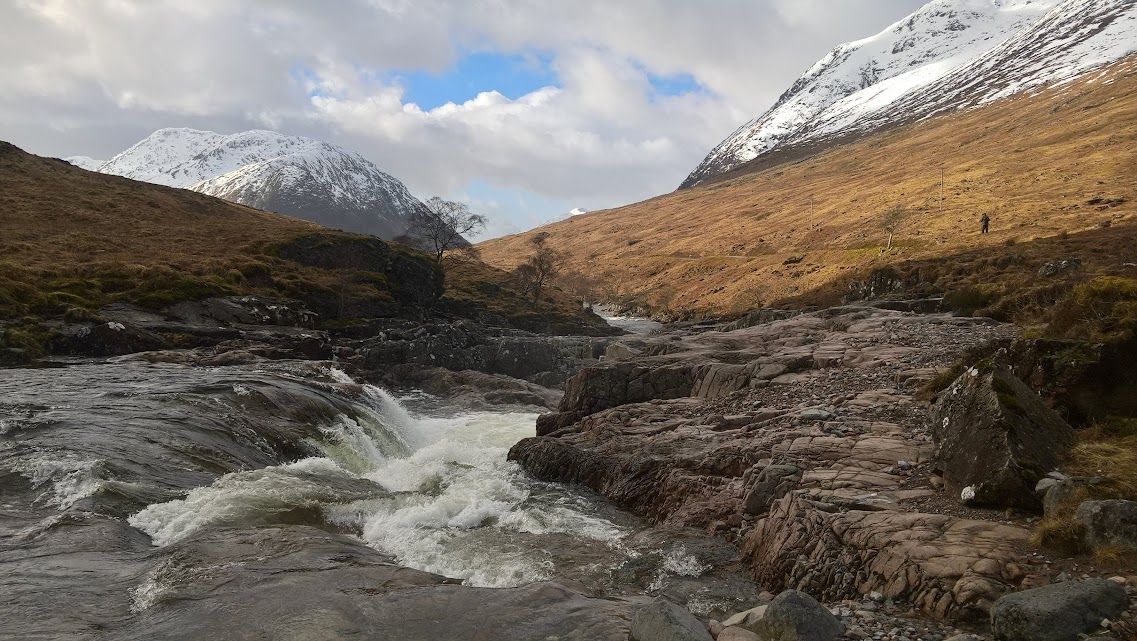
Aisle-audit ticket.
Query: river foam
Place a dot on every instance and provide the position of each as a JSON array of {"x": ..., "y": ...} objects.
[{"x": 431, "y": 488}]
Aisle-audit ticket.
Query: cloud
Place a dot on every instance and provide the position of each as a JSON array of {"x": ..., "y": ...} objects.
[{"x": 93, "y": 76}]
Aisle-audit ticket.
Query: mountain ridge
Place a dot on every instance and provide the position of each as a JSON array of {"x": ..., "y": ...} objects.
[
  {"x": 947, "y": 55},
  {"x": 293, "y": 175}
]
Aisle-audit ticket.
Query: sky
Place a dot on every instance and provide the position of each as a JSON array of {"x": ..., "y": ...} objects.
[{"x": 525, "y": 109}]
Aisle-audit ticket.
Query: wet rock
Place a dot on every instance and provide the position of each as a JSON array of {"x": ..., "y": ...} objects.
[
  {"x": 773, "y": 482},
  {"x": 105, "y": 339},
  {"x": 243, "y": 310},
  {"x": 796, "y": 616},
  {"x": 663, "y": 620},
  {"x": 1058, "y": 612},
  {"x": 995, "y": 439},
  {"x": 1111, "y": 522}
]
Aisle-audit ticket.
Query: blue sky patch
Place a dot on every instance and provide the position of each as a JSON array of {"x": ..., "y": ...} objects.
[
  {"x": 674, "y": 85},
  {"x": 512, "y": 75}
]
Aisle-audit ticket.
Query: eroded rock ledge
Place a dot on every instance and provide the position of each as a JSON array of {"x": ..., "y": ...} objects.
[{"x": 801, "y": 440}]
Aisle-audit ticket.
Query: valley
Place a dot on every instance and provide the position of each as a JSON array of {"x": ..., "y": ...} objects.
[{"x": 868, "y": 373}]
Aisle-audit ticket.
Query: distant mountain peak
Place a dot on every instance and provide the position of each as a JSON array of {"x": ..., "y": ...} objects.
[
  {"x": 948, "y": 54},
  {"x": 293, "y": 175}
]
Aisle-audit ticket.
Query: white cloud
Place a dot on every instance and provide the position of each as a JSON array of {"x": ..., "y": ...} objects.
[{"x": 93, "y": 76}]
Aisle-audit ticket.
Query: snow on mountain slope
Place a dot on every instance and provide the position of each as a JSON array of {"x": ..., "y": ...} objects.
[
  {"x": 322, "y": 183},
  {"x": 948, "y": 54},
  {"x": 290, "y": 175},
  {"x": 85, "y": 162}
]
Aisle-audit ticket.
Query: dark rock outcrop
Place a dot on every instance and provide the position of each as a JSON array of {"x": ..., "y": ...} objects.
[
  {"x": 104, "y": 339},
  {"x": 995, "y": 439},
  {"x": 1058, "y": 612},
  {"x": 772, "y": 483},
  {"x": 461, "y": 345}
]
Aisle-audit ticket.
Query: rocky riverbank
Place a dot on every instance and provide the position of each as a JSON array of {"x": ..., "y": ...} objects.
[{"x": 804, "y": 441}]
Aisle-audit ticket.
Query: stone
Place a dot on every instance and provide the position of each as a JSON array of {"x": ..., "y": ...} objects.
[
  {"x": 1057, "y": 612},
  {"x": 994, "y": 435},
  {"x": 773, "y": 482},
  {"x": 965, "y": 637},
  {"x": 1111, "y": 522},
  {"x": 1059, "y": 494},
  {"x": 735, "y": 633},
  {"x": 663, "y": 620},
  {"x": 795, "y": 616},
  {"x": 746, "y": 619}
]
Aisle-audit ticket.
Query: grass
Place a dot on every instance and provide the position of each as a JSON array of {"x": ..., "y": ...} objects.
[
  {"x": 1106, "y": 451},
  {"x": 73, "y": 241},
  {"x": 1057, "y": 162}
]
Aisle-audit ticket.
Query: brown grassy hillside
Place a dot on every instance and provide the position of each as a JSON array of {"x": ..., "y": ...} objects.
[
  {"x": 72, "y": 241},
  {"x": 1061, "y": 161}
]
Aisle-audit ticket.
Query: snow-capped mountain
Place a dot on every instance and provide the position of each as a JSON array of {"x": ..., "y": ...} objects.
[
  {"x": 290, "y": 175},
  {"x": 947, "y": 55}
]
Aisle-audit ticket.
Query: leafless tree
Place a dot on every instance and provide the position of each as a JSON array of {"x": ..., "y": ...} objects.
[
  {"x": 443, "y": 224},
  {"x": 540, "y": 268}
]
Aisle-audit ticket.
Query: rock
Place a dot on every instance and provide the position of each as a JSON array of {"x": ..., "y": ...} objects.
[
  {"x": 619, "y": 351},
  {"x": 747, "y": 618},
  {"x": 996, "y": 436},
  {"x": 1108, "y": 522},
  {"x": 663, "y": 620},
  {"x": 1055, "y": 267},
  {"x": 105, "y": 339},
  {"x": 1058, "y": 494},
  {"x": 1057, "y": 612},
  {"x": 965, "y": 637},
  {"x": 796, "y": 616},
  {"x": 736, "y": 633},
  {"x": 773, "y": 482}
]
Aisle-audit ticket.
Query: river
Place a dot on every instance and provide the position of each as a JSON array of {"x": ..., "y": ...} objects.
[{"x": 110, "y": 469}]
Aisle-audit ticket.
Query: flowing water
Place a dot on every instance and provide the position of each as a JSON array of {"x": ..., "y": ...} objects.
[
  {"x": 130, "y": 491},
  {"x": 430, "y": 486}
]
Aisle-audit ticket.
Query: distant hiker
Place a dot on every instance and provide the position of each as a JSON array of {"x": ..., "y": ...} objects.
[{"x": 984, "y": 223}]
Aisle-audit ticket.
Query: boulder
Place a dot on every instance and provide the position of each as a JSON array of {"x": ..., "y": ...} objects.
[
  {"x": 796, "y": 616},
  {"x": 1108, "y": 522},
  {"x": 773, "y": 482},
  {"x": 746, "y": 619},
  {"x": 735, "y": 633},
  {"x": 663, "y": 620},
  {"x": 1057, "y": 612},
  {"x": 995, "y": 439}
]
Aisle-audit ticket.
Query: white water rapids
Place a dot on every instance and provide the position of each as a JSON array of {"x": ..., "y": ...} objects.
[{"x": 447, "y": 499}]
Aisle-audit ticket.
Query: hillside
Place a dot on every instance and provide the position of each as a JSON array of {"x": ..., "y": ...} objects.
[
  {"x": 292, "y": 175},
  {"x": 948, "y": 55},
  {"x": 1059, "y": 161},
  {"x": 73, "y": 241}
]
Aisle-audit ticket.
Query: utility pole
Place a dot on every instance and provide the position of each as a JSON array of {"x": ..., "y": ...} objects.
[{"x": 811, "y": 213}]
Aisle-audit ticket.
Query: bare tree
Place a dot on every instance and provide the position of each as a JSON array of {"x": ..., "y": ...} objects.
[
  {"x": 891, "y": 222},
  {"x": 443, "y": 224},
  {"x": 540, "y": 268}
]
